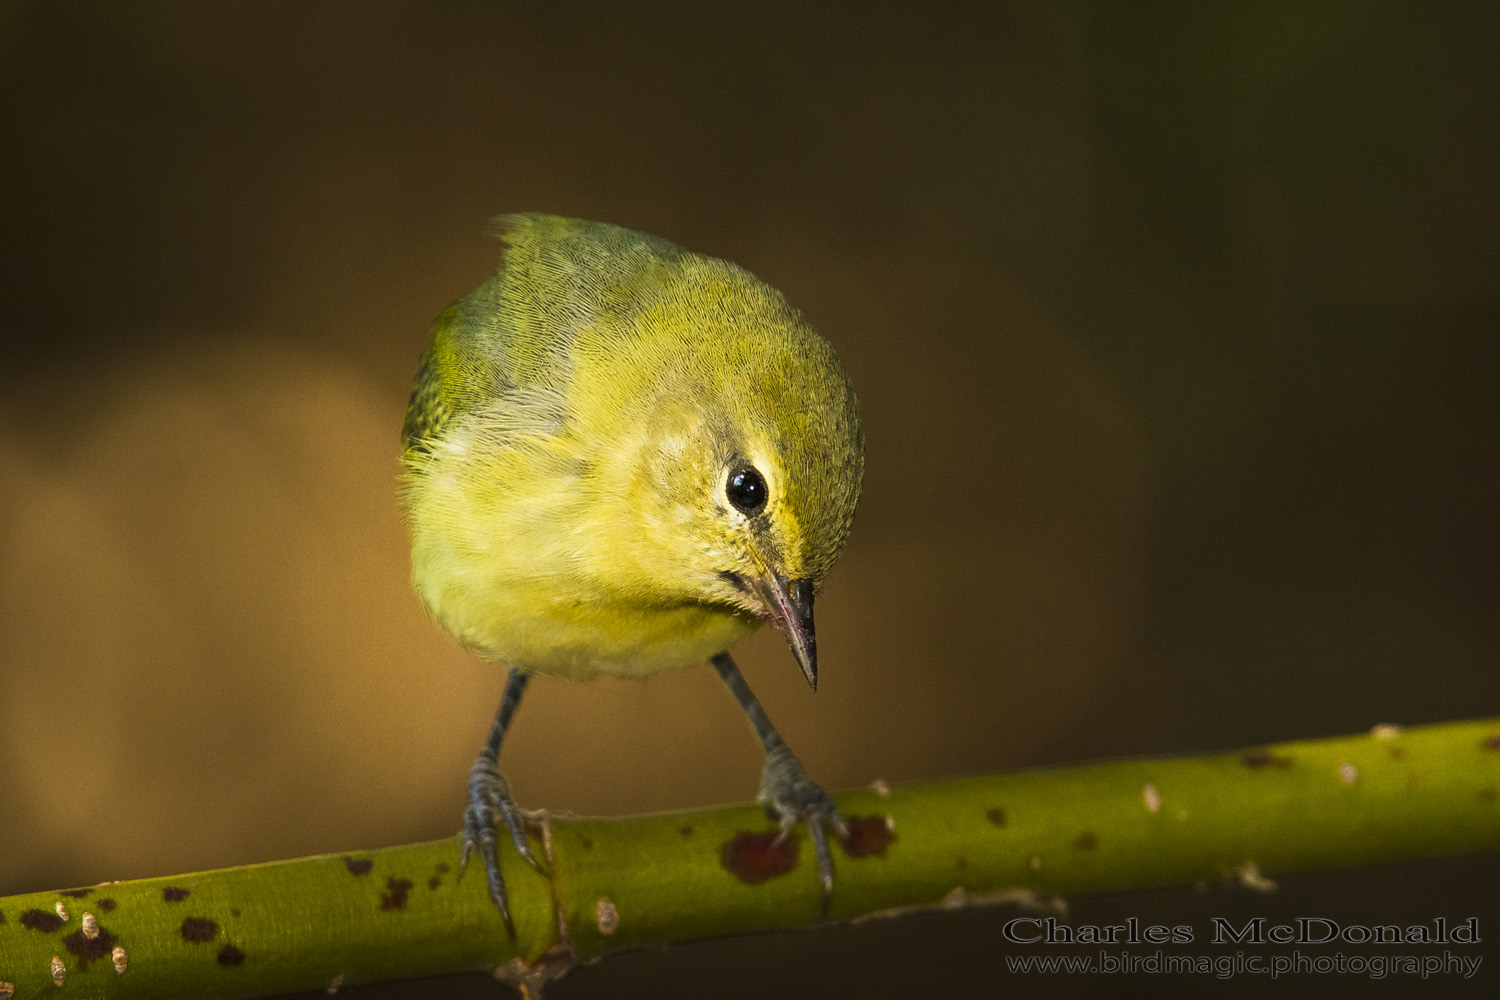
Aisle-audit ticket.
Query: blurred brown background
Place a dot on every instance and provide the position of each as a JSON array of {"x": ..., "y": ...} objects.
[{"x": 1174, "y": 327}]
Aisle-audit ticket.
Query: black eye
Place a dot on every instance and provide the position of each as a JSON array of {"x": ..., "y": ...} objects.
[{"x": 747, "y": 491}]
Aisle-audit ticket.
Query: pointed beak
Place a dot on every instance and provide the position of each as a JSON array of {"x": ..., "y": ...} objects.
[{"x": 790, "y": 605}]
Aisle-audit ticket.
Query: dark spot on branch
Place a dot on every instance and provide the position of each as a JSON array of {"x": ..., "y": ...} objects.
[
  {"x": 76, "y": 893},
  {"x": 1260, "y": 757},
  {"x": 996, "y": 816},
  {"x": 234, "y": 912},
  {"x": 230, "y": 956},
  {"x": 434, "y": 882},
  {"x": 2, "y": 916},
  {"x": 586, "y": 843},
  {"x": 963, "y": 863},
  {"x": 441, "y": 868},
  {"x": 1493, "y": 743},
  {"x": 685, "y": 830},
  {"x": 41, "y": 920},
  {"x": 198, "y": 930},
  {"x": 395, "y": 899},
  {"x": 106, "y": 904},
  {"x": 1396, "y": 752},
  {"x": 1086, "y": 841},
  {"x": 173, "y": 894},
  {"x": 755, "y": 857},
  {"x": 1486, "y": 795},
  {"x": 868, "y": 837},
  {"x": 87, "y": 948},
  {"x": 358, "y": 866}
]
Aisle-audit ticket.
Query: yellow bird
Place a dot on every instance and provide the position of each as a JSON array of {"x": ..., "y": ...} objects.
[{"x": 621, "y": 457}]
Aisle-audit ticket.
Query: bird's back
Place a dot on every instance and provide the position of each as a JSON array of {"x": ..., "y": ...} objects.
[{"x": 516, "y": 332}]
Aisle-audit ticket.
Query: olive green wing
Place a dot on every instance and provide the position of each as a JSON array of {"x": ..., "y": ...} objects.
[
  {"x": 447, "y": 385},
  {"x": 506, "y": 347}
]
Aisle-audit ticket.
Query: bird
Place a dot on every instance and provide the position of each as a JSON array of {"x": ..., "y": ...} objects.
[{"x": 622, "y": 457}]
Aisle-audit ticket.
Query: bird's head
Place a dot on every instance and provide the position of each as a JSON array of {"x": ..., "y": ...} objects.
[{"x": 755, "y": 473}]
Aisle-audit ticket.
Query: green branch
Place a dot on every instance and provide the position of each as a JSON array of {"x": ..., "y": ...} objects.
[{"x": 652, "y": 880}]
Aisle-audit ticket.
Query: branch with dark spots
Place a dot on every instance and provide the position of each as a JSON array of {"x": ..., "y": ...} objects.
[
  {"x": 1262, "y": 757},
  {"x": 358, "y": 866},
  {"x": 88, "y": 949},
  {"x": 198, "y": 930},
  {"x": 754, "y": 858},
  {"x": 395, "y": 898},
  {"x": 611, "y": 885},
  {"x": 869, "y": 836},
  {"x": 45, "y": 921}
]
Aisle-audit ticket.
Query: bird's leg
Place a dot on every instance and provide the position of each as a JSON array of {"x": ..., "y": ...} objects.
[
  {"x": 785, "y": 788},
  {"x": 490, "y": 801}
]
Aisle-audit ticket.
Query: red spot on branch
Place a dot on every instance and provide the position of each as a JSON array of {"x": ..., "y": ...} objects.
[
  {"x": 869, "y": 836},
  {"x": 754, "y": 858}
]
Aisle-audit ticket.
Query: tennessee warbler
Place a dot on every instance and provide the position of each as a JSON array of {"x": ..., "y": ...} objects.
[{"x": 622, "y": 457}]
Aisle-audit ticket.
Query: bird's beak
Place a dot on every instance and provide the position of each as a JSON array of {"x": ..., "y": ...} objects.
[{"x": 790, "y": 605}]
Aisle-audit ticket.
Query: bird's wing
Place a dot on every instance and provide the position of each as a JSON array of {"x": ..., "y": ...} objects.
[
  {"x": 507, "y": 347},
  {"x": 439, "y": 394}
]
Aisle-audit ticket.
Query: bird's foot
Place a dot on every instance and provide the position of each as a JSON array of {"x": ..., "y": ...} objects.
[
  {"x": 791, "y": 797},
  {"x": 490, "y": 803}
]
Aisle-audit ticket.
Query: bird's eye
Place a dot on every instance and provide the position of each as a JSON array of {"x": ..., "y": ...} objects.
[{"x": 746, "y": 490}]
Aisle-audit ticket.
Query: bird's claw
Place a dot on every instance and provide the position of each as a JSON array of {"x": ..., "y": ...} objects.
[
  {"x": 791, "y": 797},
  {"x": 489, "y": 803}
]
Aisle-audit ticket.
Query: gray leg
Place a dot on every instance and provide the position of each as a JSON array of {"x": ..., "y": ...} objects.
[
  {"x": 784, "y": 786},
  {"x": 489, "y": 801}
]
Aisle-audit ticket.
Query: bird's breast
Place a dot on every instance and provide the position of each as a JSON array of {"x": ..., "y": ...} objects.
[{"x": 509, "y": 556}]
